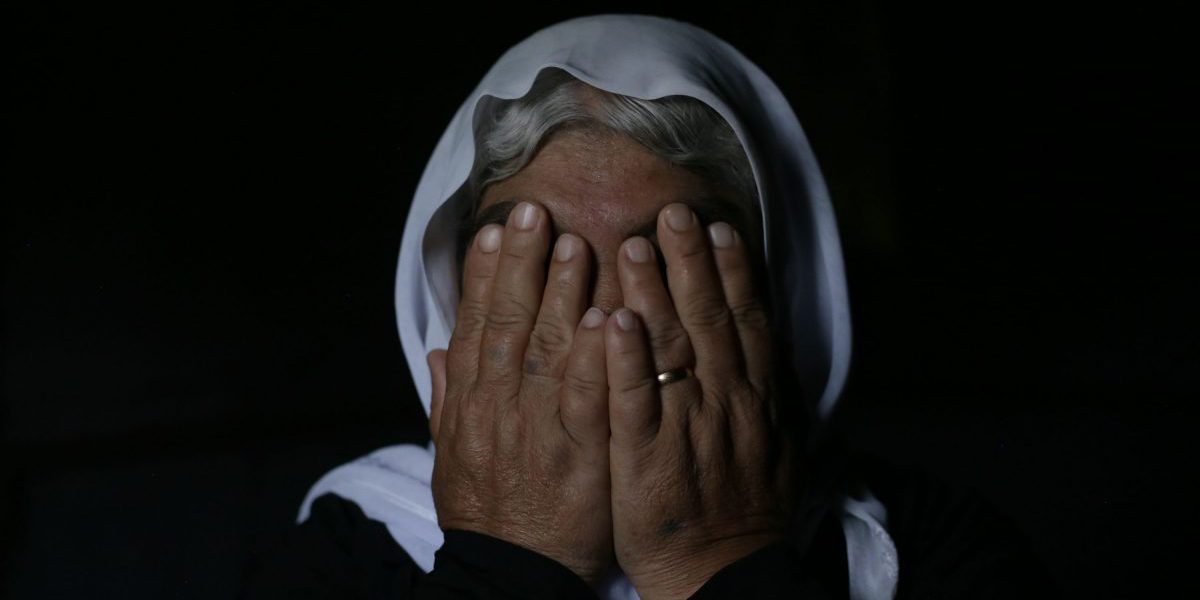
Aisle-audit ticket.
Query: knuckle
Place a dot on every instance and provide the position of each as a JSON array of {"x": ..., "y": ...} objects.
[
  {"x": 705, "y": 310},
  {"x": 478, "y": 275},
  {"x": 718, "y": 392},
  {"x": 627, "y": 354},
  {"x": 647, "y": 464},
  {"x": 549, "y": 339},
  {"x": 472, "y": 313},
  {"x": 518, "y": 247},
  {"x": 694, "y": 252},
  {"x": 749, "y": 312},
  {"x": 583, "y": 385},
  {"x": 504, "y": 320},
  {"x": 495, "y": 355},
  {"x": 507, "y": 313},
  {"x": 635, "y": 386},
  {"x": 669, "y": 337}
]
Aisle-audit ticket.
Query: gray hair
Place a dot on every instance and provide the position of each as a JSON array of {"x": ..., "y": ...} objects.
[{"x": 680, "y": 129}]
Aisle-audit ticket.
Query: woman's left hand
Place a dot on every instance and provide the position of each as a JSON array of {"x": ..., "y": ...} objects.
[{"x": 697, "y": 481}]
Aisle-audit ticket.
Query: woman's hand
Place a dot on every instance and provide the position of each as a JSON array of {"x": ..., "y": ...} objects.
[
  {"x": 519, "y": 414},
  {"x": 697, "y": 482}
]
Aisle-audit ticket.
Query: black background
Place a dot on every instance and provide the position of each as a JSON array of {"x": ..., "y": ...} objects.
[{"x": 202, "y": 210}]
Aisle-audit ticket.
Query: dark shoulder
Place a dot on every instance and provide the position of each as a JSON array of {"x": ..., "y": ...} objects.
[
  {"x": 951, "y": 541},
  {"x": 336, "y": 553}
]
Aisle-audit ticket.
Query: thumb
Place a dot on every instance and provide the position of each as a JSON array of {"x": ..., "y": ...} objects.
[{"x": 437, "y": 372}]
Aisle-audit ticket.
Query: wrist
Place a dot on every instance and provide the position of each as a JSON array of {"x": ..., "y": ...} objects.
[
  {"x": 508, "y": 566},
  {"x": 590, "y": 568},
  {"x": 682, "y": 577}
]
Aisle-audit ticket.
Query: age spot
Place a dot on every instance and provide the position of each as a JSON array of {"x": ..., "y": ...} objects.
[
  {"x": 669, "y": 527},
  {"x": 496, "y": 353},
  {"x": 533, "y": 366}
]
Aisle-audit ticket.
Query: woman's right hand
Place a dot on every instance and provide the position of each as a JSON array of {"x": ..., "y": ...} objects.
[{"x": 519, "y": 414}]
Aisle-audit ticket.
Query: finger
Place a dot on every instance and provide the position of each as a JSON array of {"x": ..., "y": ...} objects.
[
  {"x": 643, "y": 291},
  {"x": 437, "y": 372},
  {"x": 745, "y": 305},
  {"x": 479, "y": 268},
  {"x": 696, "y": 291},
  {"x": 584, "y": 404},
  {"x": 634, "y": 408},
  {"x": 562, "y": 307},
  {"x": 516, "y": 296}
]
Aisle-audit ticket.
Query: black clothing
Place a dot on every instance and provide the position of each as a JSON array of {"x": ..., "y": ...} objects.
[{"x": 950, "y": 545}]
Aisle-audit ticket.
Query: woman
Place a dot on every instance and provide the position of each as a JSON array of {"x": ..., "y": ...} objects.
[{"x": 621, "y": 296}]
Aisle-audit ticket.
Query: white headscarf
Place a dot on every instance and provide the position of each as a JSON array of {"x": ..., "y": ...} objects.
[{"x": 643, "y": 57}]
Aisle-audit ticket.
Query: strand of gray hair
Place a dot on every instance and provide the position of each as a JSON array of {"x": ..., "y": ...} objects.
[{"x": 680, "y": 129}]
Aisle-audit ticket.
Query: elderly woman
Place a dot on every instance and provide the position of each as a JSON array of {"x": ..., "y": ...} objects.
[{"x": 621, "y": 296}]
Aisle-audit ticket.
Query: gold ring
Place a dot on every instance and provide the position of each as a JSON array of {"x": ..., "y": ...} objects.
[{"x": 674, "y": 375}]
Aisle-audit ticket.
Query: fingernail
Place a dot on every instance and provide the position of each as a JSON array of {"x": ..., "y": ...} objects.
[
  {"x": 721, "y": 235},
  {"x": 638, "y": 250},
  {"x": 679, "y": 217},
  {"x": 593, "y": 318},
  {"x": 526, "y": 216},
  {"x": 489, "y": 239},
  {"x": 625, "y": 319},
  {"x": 566, "y": 248}
]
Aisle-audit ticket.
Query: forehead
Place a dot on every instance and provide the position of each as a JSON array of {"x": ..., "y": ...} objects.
[{"x": 599, "y": 185}]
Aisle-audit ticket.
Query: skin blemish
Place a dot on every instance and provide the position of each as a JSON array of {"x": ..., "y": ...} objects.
[
  {"x": 496, "y": 353},
  {"x": 670, "y": 527},
  {"x": 533, "y": 366}
]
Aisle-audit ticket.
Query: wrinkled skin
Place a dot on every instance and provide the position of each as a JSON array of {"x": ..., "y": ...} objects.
[{"x": 551, "y": 429}]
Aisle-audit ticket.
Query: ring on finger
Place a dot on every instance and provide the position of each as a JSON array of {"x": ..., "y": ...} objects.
[{"x": 673, "y": 375}]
